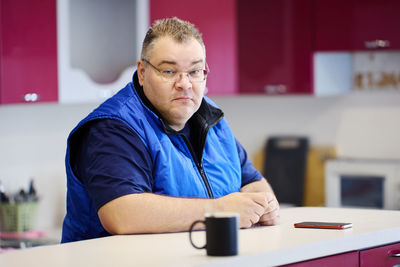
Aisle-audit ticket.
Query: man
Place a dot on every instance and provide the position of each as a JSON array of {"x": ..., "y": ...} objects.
[{"x": 158, "y": 155}]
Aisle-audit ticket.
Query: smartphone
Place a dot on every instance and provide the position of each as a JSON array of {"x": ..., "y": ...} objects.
[{"x": 323, "y": 225}]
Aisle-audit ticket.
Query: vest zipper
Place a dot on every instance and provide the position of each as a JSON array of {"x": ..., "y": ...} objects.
[
  {"x": 199, "y": 164},
  {"x": 195, "y": 158},
  {"x": 206, "y": 127},
  {"x": 203, "y": 143},
  {"x": 204, "y": 177},
  {"x": 199, "y": 167}
]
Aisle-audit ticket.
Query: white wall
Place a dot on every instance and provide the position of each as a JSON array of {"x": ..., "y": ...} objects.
[
  {"x": 32, "y": 144},
  {"x": 33, "y": 137},
  {"x": 360, "y": 124}
]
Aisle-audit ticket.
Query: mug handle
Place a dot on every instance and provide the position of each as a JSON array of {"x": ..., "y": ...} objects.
[{"x": 190, "y": 234}]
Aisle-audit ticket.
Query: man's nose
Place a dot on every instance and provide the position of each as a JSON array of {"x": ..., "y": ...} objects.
[
  {"x": 183, "y": 75},
  {"x": 184, "y": 80}
]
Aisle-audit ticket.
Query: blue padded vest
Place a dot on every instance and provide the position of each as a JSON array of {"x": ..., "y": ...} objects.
[{"x": 176, "y": 171}]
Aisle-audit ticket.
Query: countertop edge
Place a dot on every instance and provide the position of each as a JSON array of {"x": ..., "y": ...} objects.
[{"x": 314, "y": 250}]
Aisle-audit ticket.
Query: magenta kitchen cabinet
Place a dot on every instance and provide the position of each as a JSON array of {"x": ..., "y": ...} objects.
[
  {"x": 353, "y": 25},
  {"x": 28, "y": 51},
  {"x": 349, "y": 259},
  {"x": 275, "y": 46},
  {"x": 381, "y": 256},
  {"x": 217, "y": 22}
]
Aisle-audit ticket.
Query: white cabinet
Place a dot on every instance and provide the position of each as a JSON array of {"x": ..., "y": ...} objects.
[{"x": 99, "y": 43}]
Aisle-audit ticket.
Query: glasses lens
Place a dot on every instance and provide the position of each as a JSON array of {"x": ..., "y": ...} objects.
[
  {"x": 197, "y": 75},
  {"x": 193, "y": 76}
]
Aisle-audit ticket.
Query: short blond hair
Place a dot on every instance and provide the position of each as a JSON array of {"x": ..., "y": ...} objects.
[{"x": 179, "y": 30}]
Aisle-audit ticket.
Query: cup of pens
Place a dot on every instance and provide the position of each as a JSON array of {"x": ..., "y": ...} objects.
[{"x": 18, "y": 211}]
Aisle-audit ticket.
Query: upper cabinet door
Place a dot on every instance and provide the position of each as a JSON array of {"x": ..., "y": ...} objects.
[
  {"x": 216, "y": 20},
  {"x": 350, "y": 25},
  {"x": 275, "y": 46},
  {"x": 28, "y": 56}
]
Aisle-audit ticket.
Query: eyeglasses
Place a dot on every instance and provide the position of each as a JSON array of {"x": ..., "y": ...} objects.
[{"x": 172, "y": 76}]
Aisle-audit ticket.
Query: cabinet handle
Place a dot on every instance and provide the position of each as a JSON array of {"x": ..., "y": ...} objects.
[
  {"x": 31, "y": 97},
  {"x": 374, "y": 44},
  {"x": 275, "y": 89},
  {"x": 394, "y": 253}
]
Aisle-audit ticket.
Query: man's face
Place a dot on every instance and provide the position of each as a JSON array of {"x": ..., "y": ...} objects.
[{"x": 176, "y": 101}]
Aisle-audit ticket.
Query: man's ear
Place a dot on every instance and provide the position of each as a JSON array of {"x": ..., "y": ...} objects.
[{"x": 140, "y": 71}]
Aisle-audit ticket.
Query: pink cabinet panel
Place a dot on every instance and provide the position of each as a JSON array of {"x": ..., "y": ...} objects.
[
  {"x": 349, "y": 259},
  {"x": 381, "y": 256},
  {"x": 28, "y": 55},
  {"x": 275, "y": 46},
  {"x": 348, "y": 24},
  {"x": 217, "y": 21}
]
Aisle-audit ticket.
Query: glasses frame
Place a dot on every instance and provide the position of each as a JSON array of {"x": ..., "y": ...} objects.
[{"x": 205, "y": 71}]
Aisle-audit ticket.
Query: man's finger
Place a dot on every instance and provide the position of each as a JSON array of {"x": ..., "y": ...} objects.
[{"x": 261, "y": 199}]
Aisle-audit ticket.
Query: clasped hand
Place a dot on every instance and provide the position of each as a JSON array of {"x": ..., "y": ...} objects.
[{"x": 254, "y": 207}]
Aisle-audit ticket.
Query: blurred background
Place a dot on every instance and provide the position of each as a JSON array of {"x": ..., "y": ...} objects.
[{"x": 323, "y": 72}]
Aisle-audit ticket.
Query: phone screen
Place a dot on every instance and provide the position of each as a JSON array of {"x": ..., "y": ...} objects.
[{"x": 323, "y": 225}]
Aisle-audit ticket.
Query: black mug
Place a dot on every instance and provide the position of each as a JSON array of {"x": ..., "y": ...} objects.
[{"x": 221, "y": 233}]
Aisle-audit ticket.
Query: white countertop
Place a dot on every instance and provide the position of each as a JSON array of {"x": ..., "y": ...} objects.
[{"x": 260, "y": 246}]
